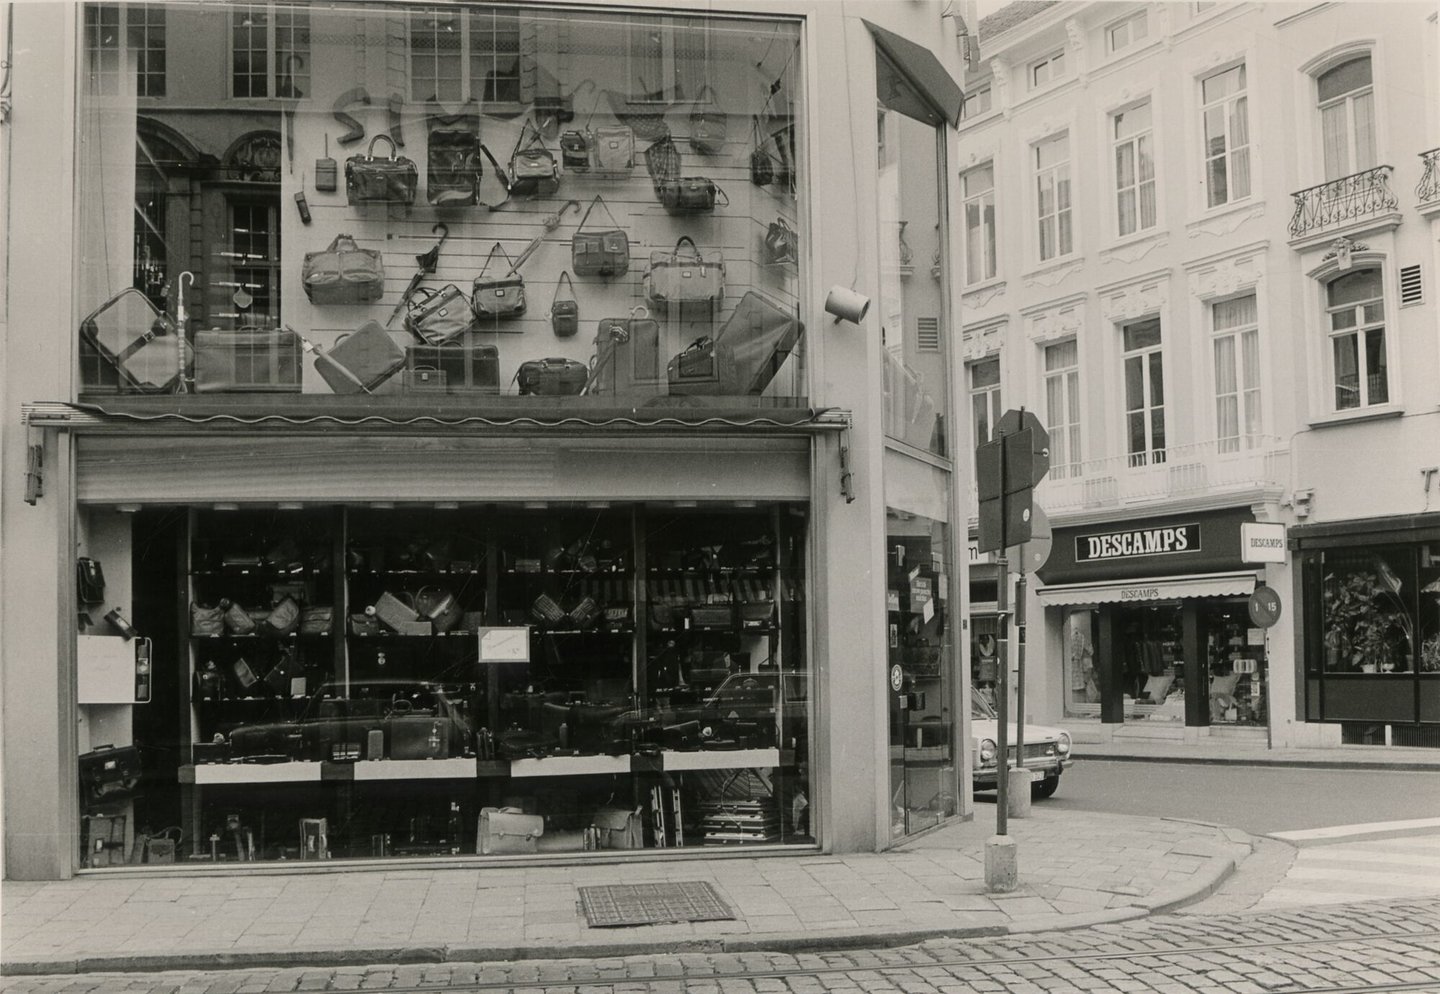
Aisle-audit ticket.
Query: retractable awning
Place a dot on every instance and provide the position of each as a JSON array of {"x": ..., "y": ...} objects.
[
  {"x": 1164, "y": 588},
  {"x": 924, "y": 70}
]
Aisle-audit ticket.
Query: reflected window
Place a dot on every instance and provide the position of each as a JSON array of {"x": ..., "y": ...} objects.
[
  {"x": 119, "y": 37},
  {"x": 1226, "y": 119},
  {"x": 269, "y": 51}
]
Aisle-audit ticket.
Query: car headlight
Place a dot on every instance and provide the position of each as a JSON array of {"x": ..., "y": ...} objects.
[
  {"x": 987, "y": 752},
  {"x": 1063, "y": 745}
]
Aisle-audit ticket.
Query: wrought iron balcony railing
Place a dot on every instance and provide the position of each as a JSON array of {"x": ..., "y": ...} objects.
[
  {"x": 1364, "y": 194},
  {"x": 1428, "y": 189}
]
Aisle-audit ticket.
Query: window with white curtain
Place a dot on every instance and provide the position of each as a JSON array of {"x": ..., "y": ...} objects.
[
  {"x": 985, "y": 410},
  {"x": 1062, "y": 407},
  {"x": 978, "y": 194},
  {"x": 1225, "y": 116},
  {"x": 1236, "y": 346},
  {"x": 1144, "y": 392},
  {"x": 457, "y": 54},
  {"x": 1052, "y": 196},
  {"x": 666, "y": 58},
  {"x": 1134, "y": 169},
  {"x": 1356, "y": 312},
  {"x": 1347, "y": 117}
]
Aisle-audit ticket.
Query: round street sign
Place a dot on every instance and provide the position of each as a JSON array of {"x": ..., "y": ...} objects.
[
  {"x": 1014, "y": 421},
  {"x": 1035, "y": 553},
  {"x": 1264, "y": 606}
]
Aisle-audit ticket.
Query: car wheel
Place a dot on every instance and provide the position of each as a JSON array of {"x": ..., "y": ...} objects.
[{"x": 1046, "y": 787}]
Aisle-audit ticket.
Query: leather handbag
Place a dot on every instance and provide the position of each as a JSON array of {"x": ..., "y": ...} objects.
[
  {"x": 372, "y": 180},
  {"x": 685, "y": 275},
  {"x": 708, "y": 124},
  {"x": 440, "y": 606},
  {"x": 620, "y": 828},
  {"x": 507, "y": 831},
  {"x": 781, "y": 243},
  {"x": 599, "y": 253},
  {"x": 437, "y": 316},
  {"x": 564, "y": 314},
  {"x": 317, "y": 619},
  {"x": 533, "y": 169},
  {"x": 497, "y": 298},
  {"x": 692, "y": 195},
  {"x": 454, "y": 169},
  {"x": 283, "y": 619},
  {"x": 551, "y": 377},
  {"x": 344, "y": 273},
  {"x": 206, "y": 620},
  {"x": 237, "y": 619},
  {"x": 706, "y": 367},
  {"x": 140, "y": 342},
  {"x": 612, "y": 152}
]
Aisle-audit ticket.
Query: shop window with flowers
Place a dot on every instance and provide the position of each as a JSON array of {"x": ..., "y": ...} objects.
[{"x": 1369, "y": 606}]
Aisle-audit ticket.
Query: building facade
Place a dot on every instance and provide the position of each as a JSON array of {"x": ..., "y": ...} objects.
[
  {"x": 439, "y": 443},
  {"x": 1200, "y": 243}
]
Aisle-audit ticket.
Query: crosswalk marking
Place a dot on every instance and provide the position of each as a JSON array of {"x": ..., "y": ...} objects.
[{"x": 1359, "y": 871}]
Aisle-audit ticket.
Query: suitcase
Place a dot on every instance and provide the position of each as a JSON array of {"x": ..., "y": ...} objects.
[
  {"x": 393, "y": 612},
  {"x": 705, "y": 368},
  {"x": 760, "y": 336},
  {"x": 453, "y": 367},
  {"x": 627, "y": 358},
  {"x": 418, "y": 736},
  {"x": 104, "y": 840},
  {"x": 551, "y": 377},
  {"x": 248, "y": 360},
  {"x": 360, "y": 361},
  {"x": 144, "y": 347},
  {"x": 507, "y": 831},
  {"x": 109, "y": 773}
]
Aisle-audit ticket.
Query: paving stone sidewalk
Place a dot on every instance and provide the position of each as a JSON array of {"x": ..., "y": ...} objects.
[{"x": 1076, "y": 869}]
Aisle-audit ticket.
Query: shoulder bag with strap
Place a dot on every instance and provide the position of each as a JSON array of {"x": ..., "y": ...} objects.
[
  {"x": 599, "y": 253},
  {"x": 533, "y": 169},
  {"x": 436, "y": 316},
  {"x": 564, "y": 314},
  {"x": 709, "y": 125},
  {"x": 452, "y": 177},
  {"x": 685, "y": 275},
  {"x": 498, "y": 297}
]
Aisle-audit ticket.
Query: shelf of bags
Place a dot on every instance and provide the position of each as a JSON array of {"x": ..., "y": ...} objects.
[
  {"x": 598, "y": 630},
  {"x": 616, "y": 573},
  {"x": 253, "y": 636},
  {"x": 454, "y": 634},
  {"x": 295, "y": 771},
  {"x": 263, "y": 572},
  {"x": 431, "y": 571},
  {"x": 569, "y": 766},
  {"x": 463, "y": 768},
  {"x": 723, "y": 759}
]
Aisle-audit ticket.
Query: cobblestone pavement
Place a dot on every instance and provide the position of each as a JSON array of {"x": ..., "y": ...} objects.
[{"x": 1389, "y": 945}]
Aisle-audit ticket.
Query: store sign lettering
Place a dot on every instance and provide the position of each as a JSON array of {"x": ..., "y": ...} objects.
[
  {"x": 1140, "y": 594},
  {"x": 1262, "y": 542},
  {"x": 1138, "y": 542}
]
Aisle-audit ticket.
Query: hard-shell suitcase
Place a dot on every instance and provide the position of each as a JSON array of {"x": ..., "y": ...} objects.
[
  {"x": 627, "y": 357},
  {"x": 248, "y": 360},
  {"x": 706, "y": 367},
  {"x": 761, "y": 336},
  {"x": 143, "y": 345},
  {"x": 360, "y": 361},
  {"x": 453, "y": 367}
]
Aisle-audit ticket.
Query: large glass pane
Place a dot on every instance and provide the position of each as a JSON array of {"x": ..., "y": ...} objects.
[
  {"x": 1377, "y": 383},
  {"x": 329, "y": 322},
  {"x": 1346, "y": 350}
]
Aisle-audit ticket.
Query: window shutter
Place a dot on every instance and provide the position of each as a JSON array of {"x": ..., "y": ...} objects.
[
  {"x": 1412, "y": 289},
  {"x": 927, "y": 334}
]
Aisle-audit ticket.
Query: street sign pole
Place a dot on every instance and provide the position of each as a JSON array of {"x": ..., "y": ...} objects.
[
  {"x": 1020, "y": 665},
  {"x": 1002, "y": 692}
]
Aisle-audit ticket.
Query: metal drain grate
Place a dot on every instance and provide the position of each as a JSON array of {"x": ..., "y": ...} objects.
[{"x": 652, "y": 904}]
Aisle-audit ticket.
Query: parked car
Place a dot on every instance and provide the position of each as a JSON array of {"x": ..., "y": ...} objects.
[
  {"x": 377, "y": 719},
  {"x": 1047, "y": 750}
]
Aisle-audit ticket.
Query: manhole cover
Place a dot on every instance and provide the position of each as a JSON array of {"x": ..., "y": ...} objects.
[{"x": 652, "y": 904}]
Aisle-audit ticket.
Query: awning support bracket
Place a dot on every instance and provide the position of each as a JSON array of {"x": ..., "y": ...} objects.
[{"x": 847, "y": 478}]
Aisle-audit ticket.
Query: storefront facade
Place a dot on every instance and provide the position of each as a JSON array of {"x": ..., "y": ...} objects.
[{"x": 504, "y": 493}]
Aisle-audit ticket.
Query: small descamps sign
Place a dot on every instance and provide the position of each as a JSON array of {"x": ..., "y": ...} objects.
[{"x": 1137, "y": 542}]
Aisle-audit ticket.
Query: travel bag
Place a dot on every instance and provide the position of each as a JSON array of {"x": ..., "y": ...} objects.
[
  {"x": 361, "y": 360},
  {"x": 627, "y": 357},
  {"x": 612, "y": 152},
  {"x": 247, "y": 360},
  {"x": 147, "y": 351},
  {"x": 551, "y": 377},
  {"x": 436, "y": 316},
  {"x": 507, "y": 831},
  {"x": 685, "y": 275},
  {"x": 454, "y": 169},
  {"x": 343, "y": 273},
  {"x": 708, "y": 124},
  {"x": 372, "y": 180},
  {"x": 761, "y": 336},
  {"x": 497, "y": 298},
  {"x": 533, "y": 169},
  {"x": 453, "y": 367},
  {"x": 706, "y": 367}
]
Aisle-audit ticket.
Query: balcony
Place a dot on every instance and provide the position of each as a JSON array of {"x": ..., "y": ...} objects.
[
  {"x": 1355, "y": 201},
  {"x": 1427, "y": 191}
]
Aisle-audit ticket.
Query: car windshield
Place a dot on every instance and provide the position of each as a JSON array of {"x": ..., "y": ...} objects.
[{"x": 980, "y": 707}]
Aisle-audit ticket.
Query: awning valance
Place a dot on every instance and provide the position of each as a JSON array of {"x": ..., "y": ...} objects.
[{"x": 1165, "y": 588}]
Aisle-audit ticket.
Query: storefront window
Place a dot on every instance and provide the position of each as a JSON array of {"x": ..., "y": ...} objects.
[
  {"x": 485, "y": 207},
  {"x": 366, "y": 682},
  {"x": 1151, "y": 663},
  {"x": 1235, "y": 657},
  {"x": 1370, "y": 609},
  {"x": 1082, "y": 681}
]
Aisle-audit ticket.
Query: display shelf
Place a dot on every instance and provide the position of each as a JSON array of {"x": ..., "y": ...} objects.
[
  {"x": 724, "y": 759},
  {"x": 381, "y": 636},
  {"x": 435, "y": 571},
  {"x": 250, "y": 773},
  {"x": 536, "y": 629},
  {"x": 462, "y": 768},
  {"x": 569, "y": 766},
  {"x": 262, "y": 572},
  {"x": 511, "y": 571},
  {"x": 257, "y": 637}
]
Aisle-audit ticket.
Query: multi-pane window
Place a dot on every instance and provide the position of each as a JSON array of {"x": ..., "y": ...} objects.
[
  {"x": 985, "y": 408},
  {"x": 666, "y": 57},
  {"x": 251, "y": 294},
  {"x": 1062, "y": 407},
  {"x": 978, "y": 194},
  {"x": 1236, "y": 345},
  {"x": 1347, "y": 117},
  {"x": 116, "y": 37},
  {"x": 456, "y": 55},
  {"x": 1047, "y": 70},
  {"x": 1144, "y": 393},
  {"x": 269, "y": 51},
  {"x": 1127, "y": 32},
  {"x": 1052, "y": 192},
  {"x": 1356, "y": 312},
  {"x": 1134, "y": 169},
  {"x": 1227, "y": 136},
  {"x": 976, "y": 102}
]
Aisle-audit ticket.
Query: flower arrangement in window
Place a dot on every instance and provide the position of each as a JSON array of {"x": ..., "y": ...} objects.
[{"x": 1367, "y": 628}]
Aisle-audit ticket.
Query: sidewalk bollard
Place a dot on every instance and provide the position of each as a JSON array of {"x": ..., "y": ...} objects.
[
  {"x": 1019, "y": 794},
  {"x": 1002, "y": 870}
]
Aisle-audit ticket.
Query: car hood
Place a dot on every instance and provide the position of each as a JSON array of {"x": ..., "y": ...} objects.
[{"x": 989, "y": 728}]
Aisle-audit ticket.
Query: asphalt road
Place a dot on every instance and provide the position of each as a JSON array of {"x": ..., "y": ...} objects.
[{"x": 1257, "y": 799}]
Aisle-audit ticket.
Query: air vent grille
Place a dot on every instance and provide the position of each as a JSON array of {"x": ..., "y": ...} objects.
[
  {"x": 1412, "y": 289},
  {"x": 927, "y": 334}
]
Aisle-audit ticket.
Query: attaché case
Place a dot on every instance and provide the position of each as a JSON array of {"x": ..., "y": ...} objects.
[
  {"x": 761, "y": 337},
  {"x": 248, "y": 360},
  {"x": 453, "y": 367},
  {"x": 360, "y": 361}
]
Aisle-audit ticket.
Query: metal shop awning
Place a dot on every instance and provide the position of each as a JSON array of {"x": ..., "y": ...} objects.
[
  {"x": 924, "y": 70},
  {"x": 1163, "y": 588}
]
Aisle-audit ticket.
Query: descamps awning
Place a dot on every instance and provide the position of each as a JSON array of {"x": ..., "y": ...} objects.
[{"x": 1157, "y": 589}]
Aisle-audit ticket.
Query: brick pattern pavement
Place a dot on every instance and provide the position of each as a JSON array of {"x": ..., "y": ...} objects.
[
  {"x": 1093, "y": 866},
  {"x": 1380, "y": 943}
]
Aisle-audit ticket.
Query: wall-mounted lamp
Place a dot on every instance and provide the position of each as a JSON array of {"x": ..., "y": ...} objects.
[{"x": 846, "y": 305}]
